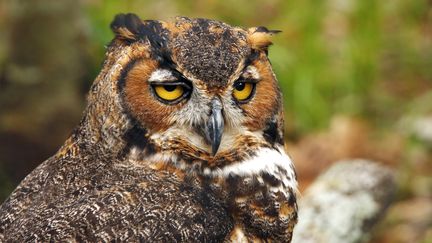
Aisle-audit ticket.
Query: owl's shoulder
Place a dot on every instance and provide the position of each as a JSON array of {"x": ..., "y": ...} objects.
[{"x": 125, "y": 201}]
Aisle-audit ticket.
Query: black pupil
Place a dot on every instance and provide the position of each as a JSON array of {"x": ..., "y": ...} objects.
[
  {"x": 170, "y": 88},
  {"x": 240, "y": 86}
]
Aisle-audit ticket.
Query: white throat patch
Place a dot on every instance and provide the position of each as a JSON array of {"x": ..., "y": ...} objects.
[{"x": 266, "y": 160}]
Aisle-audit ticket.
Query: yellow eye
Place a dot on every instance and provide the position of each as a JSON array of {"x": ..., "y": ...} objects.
[
  {"x": 243, "y": 90},
  {"x": 169, "y": 92}
]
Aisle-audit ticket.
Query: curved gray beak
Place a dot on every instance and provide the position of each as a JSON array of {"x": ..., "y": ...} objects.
[{"x": 215, "y": 126}]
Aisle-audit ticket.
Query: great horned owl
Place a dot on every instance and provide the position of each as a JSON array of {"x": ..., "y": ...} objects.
[{"x": 181, "y": 141}]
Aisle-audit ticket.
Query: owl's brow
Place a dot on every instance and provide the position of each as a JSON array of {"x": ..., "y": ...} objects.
[
  {"x": 251, "y": 73},
  {"x": 162, "y": 75}
]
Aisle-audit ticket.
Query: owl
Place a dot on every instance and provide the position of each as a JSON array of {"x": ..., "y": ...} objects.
[{"x": 181, "y": 141}]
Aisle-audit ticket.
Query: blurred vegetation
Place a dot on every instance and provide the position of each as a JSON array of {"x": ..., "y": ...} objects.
[{"x": 356, "y": 77}]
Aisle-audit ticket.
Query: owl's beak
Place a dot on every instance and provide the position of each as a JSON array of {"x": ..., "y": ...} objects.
[{"x": 215, "y": 126}]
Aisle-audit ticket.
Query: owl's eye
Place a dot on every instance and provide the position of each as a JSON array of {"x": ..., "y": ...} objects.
[
  {"x": 243, "y": 90},
  {"x": 171, "y": 92}
]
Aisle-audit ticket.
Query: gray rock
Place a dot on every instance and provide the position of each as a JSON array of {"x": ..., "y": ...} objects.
[{"x": 344, "y": 203}]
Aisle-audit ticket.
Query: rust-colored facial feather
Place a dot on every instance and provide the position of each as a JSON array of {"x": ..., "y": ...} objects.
[
  {"x": 266, "y": 102},
  {"x": 139, "y": 98}
]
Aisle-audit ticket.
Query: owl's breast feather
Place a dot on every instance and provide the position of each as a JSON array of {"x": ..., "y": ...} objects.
[{"x": 261, "y": 194}]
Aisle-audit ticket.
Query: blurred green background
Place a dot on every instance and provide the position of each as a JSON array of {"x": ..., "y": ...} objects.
[{"x": 356, "y": 77}]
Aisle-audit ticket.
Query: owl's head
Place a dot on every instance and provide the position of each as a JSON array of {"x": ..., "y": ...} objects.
[{"x": 195, "y": 90}]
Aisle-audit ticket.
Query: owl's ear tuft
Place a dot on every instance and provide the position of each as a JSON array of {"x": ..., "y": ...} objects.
[
  {"x": 259, "y": 38},
  {"x": 126, "y": 26}
]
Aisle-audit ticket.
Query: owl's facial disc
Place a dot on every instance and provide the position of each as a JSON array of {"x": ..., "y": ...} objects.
[{"x": 190, "y": 118}]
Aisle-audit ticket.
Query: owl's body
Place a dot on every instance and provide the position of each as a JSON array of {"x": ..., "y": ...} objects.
[{"x": 181, "y": 141}]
